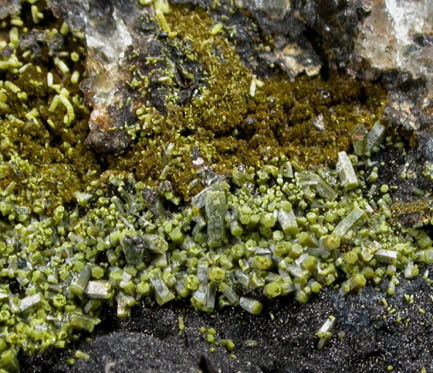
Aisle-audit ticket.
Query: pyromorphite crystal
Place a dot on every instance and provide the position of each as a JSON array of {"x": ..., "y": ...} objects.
[
  {"x": 350, "y": 221},
  {"x": 215, "y": 206},
  {"x": 98, "y": 289},
  {"x": 287, "y": 220},
  {"x": 251, "y": 305},
  {"x": 30, "y": 301},
  {"x": 79, "y": 283},
  {"x": 358, "y": 281},
  {"x": 154, "y": 243},
  {"x": 347, "y": 174},
  {"x": 359, "y": 135},
  {"x": 162, "y": 293},
  {"x": 374, "y": 137},
  {"x": 83, "y": 322},
  {"x": 81, "y": 355},
  {"x": 386, "y": 256},
  {"x": 272, "y": 290},
  {"x": 216, "y": 274},
  {"x": 9, "y": 361},
  {"x": 330, "y": 241},
  {"x": 325, "y": 331},
  {"x": 133, "y": 248}
]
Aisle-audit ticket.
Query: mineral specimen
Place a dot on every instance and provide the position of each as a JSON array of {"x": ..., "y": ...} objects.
[{"x": 268, "y": 215}]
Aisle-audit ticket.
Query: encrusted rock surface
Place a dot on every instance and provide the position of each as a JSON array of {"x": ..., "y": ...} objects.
[
  {"x": 370, "y": 336},
  {"x": 206, "y": 101}
]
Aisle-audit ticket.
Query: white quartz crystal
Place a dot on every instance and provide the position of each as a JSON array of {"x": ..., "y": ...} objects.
[{"x": 398, "y": 34}]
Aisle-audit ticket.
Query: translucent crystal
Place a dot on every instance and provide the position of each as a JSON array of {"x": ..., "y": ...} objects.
[
  {"x": 216, "y": 208},
  {"x": 83, "y": 322},
  {"x": 251, "y": 305},
  {"x": 199, "y": 299},
  {"x": 375, "y": 137},
  {"x": 124, "y": 303},
  {"x": 345, "y": 170},
  {"x": 386, "y": 256},
  {"x": 162, "y": 293},
  {"x": 155, "y": 243},
  {"x": 30, "y": 301},
  {"x": 350, "y": 221},
  {"x": 325, "y": 331},
  {"x": 309, "y": 178},
  {"x": 79, "y": 283},
  {"x": 230, "y": 294},
  {"x": 98, "y": 289},
  {"x": 397, "y": 35}
]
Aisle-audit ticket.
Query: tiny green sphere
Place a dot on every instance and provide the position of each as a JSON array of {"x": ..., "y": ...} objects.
[
  {"x": 384, "y": 188},
  {"x": 228, "y": 344},
  {"x": 167, "y": 226},
  {"x": 295, "y": 251},
  {"x": 351, "y": 257},
  {"x": 143, "y": 288},
  {"x": 312, "y": 217},
  {"x": 59, "y": 301},
  {"x": 4, "y": 315},
  {"x": 268, "y": 220},
  {"x": 316, "y": 287},
  {"x": 176, "y": 236},
  {"x": 237, "y": 250},
  {"x": 245, "y": 219},
  {"x": 372, "y": 177},
  {"x": 192, "y": 282},
  {"x": 262, "y": 263},
  {"x": 309, "y": 263},
  {"x": 358, "y": 281},
  {"x": 282, "y": 248},
  {"x": 97, "y": 272},
  {"x": 217, "y": 274},
  {"x": 272, "y": 290},
  {"x": 277, "y": 236},
  {"x": 331, "y": 241}
]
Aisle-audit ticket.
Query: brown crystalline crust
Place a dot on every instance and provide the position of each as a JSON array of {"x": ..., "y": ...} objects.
[{"x": 193, "y": 91}]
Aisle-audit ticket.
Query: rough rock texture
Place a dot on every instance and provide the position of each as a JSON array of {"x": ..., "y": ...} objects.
[{"x": 329, "y": 25}]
